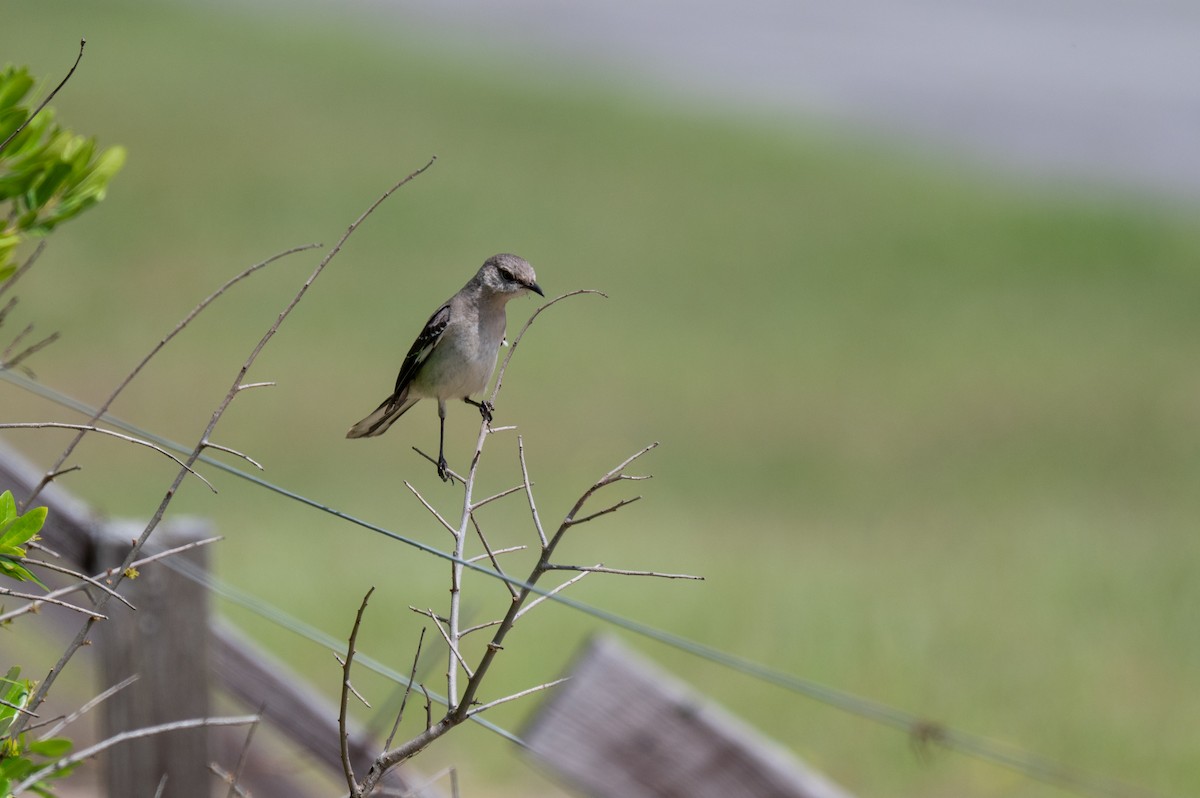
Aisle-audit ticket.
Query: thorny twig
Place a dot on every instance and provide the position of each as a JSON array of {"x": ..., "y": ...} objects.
[{"x": 461, "y": 708}]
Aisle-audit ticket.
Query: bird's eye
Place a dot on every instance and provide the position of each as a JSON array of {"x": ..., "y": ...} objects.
[{"x": 506, "y": 274}]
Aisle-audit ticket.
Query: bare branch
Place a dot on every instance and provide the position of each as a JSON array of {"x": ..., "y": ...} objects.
[
  {"x": 446, "y": 636},
  {"x": 537, "y": 522},
  {"x": 29, "y": 350},
  {"x": 484, "y": 707},
  {"x": 492, "y": 554},
  {"x": 430, "y": 508},
  {"x": 229, "y": 778},
  {"x": 18, "y": 274},
  {"x": 32, "y": 607},
  {"x": 4, "y": 591},
  {"x": 600, "y": 569},
  {"x": 477, "y": 627},
  {"x": 49, "y": 97},
  {"x": 102, "y": 431},
  {"x": 598, "y": 513},
  {"x": 530, "y": 605},
  {"x": 124, "y": 737},
  {"x": 343, "y": 735},
  {"x": 235, "y": 453},
  {"x": 517, "y": 341},
  {"x": 96, "y": 583},
  {"x": 18, "y": 709},
  {"x": 102, "y": 697},
  {"x": 244, "y": 756},
  {"x": 496, "y": 496},
  {"x": 412, "y": 675},
  {"x": 247, "y": 386},
  {"x": 353, "y": 690},
  {"x": 512, "y": 591}
]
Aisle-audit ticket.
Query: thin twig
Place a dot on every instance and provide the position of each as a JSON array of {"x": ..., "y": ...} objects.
[
  {"x": 537, "y": 521},
  {"x": 412, "y": 674},
  {"x": 496, "y": 496},
  {"x": 104, "y": 696},
  {"x": 598, "y": 513},
  {"x": 123, "y": 737},
  {"x": 429, "y": 507},
  {"x": 530, "y": 605},
  {"x": 492, "y": 554},
  {"x": 343, "y": 734},
  {"x": 599, "y": 569},
  {"x": 45, "y": 102},
  {"x": 162, "y": 786},
  {"x": 30, "y": 350},
  {"x": 96, "y": 583},
  {"x": 484, "y": 707},
  {"x": 82, "y": 583},
  {"x": 516, "y": 341},
  {"x": 479, "y": 626},
  {"x": 446, "y": 636},
  {"x": 118, "y": 435},
  {"x": 20, "y": 710},
  {"x": 235, "y": 453},
  {"x": 19, "y": 273},
  {"x": 244, "y": 755},
  {"x": 353, "y": 691},
  {"x": 512, "y": 591},
  {"x": 229, "y": 778},
  {"x": 4, "y": 591}
]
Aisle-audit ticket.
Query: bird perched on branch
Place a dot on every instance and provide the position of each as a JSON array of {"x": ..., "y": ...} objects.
[{"x": 455, "y": 354}]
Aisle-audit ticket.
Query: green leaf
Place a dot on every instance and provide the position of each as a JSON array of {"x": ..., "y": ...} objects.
[
  {"x": 21, "y": 530},
  {"x": 19, "y": 572},
  {"x": 54, "y": 748},
  {"x": 8, "y": 507},
  {"x": 14, "y": 85}
]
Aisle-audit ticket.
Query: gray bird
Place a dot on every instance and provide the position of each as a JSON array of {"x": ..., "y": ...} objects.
[{"x": 455, "y": 354}]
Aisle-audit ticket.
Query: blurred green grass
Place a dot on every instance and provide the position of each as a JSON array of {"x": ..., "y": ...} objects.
[{"x": 932, "y": 437}]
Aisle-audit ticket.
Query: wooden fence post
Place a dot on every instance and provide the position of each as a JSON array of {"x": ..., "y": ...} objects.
[
  {"x": 165, "y": 643},
  {"x": 623, "y": 728}
]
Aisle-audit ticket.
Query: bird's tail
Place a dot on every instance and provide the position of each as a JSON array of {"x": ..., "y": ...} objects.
[{"x": 384, "y": 416}]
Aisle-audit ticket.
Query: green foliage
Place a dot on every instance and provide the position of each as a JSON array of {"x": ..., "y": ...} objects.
[
  {"x": 15, "y": 532},
  {"x": 19, "y": 756},
  {"x": 47, "y": 173}
]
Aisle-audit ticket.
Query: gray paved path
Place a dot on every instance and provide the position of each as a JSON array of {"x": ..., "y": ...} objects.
[{"x": 1105, "y": 89}]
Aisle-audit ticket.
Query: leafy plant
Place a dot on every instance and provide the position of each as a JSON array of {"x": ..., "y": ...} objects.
[
  {"x": 15, "y": 532},
  {"x": 19, "y": 757},
  {"x": 47, "y": 173}
]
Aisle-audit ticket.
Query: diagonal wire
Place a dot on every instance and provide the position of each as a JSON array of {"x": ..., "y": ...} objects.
[{"x": 1032, "y": 765}]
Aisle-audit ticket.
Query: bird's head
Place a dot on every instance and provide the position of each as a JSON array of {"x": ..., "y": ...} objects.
[{"x": 508, "y": 275}]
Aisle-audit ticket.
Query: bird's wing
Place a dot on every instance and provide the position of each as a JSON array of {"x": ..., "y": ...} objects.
[{"x": 422, "y": 347}]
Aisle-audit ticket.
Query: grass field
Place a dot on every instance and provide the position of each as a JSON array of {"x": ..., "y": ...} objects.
[{"x": 931, "y": 437}]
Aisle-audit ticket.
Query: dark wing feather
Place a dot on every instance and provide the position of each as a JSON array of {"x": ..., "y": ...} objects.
[{"x": 421, "y": 347}]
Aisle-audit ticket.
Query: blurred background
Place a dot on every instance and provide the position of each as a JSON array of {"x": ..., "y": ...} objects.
[{"x": 907, "y": 292}]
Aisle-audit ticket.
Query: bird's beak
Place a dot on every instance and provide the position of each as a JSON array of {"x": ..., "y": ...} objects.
[{"x": 535, "y": 288}]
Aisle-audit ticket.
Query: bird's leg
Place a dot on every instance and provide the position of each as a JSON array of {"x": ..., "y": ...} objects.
[
  {"x": 485, "y": 408},
  {"x": 442, "y": 468}
]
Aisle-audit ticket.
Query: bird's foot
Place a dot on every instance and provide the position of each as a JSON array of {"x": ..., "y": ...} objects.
[
  {"x": 443, "y": 469},
  {"x": 485, "y": 408}
]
